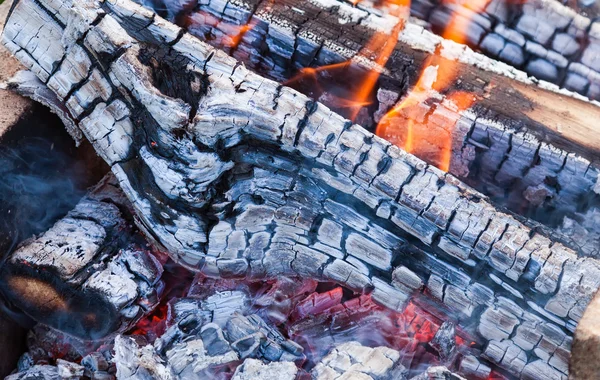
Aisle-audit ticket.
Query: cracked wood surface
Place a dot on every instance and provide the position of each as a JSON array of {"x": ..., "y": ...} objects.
[
  {"x": 239, "y": 176},
  {"x": 544, "y": 38},
  {"x": 88, "y": 275},
  {"x": 497, "y": 147},
  {"x": 290, "y": 34}
]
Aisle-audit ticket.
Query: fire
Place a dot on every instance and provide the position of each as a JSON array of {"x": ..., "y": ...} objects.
[
  {"x": 234, "y": 37},
  {"x": 434, "y": 78},
  {"x": 406, "y": 124},
  {"x": 379, "y": 49},
  {"x": 154, "y": 324}
]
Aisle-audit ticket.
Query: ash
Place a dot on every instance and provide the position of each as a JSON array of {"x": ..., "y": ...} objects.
[{"x": 284, "y": 329}]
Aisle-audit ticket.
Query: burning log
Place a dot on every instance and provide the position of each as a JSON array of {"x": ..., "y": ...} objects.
[
  {"x": 523, "y": 158},
  {"x": 87, "y": 275},
  {"x": 548, "y": 40},
  {"x": 238, "y": 176}
]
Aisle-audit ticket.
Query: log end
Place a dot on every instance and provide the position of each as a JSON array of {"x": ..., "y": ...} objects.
[
  {"x": 80, "y": 313},
  {"x": 585, "y": 353}
]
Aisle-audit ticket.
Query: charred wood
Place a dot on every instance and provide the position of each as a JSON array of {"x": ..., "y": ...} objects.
[
  {"x": 88, "y": 275},
  {"x": 241, "y": 177},
  {"x": 546, "y": 39},
  {"x": 513, "y": 145}
]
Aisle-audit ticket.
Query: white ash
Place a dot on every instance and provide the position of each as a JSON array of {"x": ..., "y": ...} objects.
[
  {"x": 252, "y": 369},
  {"x": 354, "y": 361},
  {"x": 46, "y": 372},
  {"x": 137, "y": 363},
  {"x": 438, "y": 373}
]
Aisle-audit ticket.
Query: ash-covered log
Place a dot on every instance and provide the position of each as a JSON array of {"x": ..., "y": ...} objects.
[
  {"x": 89, "y": 275},
  {"x": 238, "y": 176},
  {"x": 524, "y": 143},
  {"x": 549, "y": 40}
]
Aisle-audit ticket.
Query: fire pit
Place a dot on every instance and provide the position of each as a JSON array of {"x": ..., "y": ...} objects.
[{"x": 321, "y": 189}]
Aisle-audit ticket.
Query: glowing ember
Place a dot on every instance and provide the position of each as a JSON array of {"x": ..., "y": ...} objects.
[
  {"x": 153, "y": 325},
  {"x": 433, "y": 78}
]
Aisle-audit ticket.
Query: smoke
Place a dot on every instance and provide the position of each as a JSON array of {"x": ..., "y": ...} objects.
[{"x": 42, "y": 177}]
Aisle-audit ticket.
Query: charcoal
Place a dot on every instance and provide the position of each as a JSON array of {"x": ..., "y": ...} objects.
[
  {"x": 510, "y": 34},
  {"x": 134, "y": 362},
  {"x": 249, "y": 345},
  {"x": 100, "y": 269},
  {"x": 46, "y": 372},
  {"x": 352, "y": 360},
  {"x": 444, "y": 341},
  {"x": 438, "y": 373},
  {"x": 246, "y": 216},
  {"x": 25, "y": 362},
  {"x": 493, "y": 43},
  {"x": 536, "y": 28},
  {"x": 543, "y": 69},
  {"x": 470, "y": 366},
  {"x": 214, "y": 340},
  {"x": 68, "y": 370}
]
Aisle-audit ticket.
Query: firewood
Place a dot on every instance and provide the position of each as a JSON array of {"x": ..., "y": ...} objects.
[
  {"x": 239, "y": 176},
  {"x": 549, "y": 40},
  {"x": 525, "y": 142},
  {"x": 584, "y": 364},
  {"x": 86, "y": 275}
]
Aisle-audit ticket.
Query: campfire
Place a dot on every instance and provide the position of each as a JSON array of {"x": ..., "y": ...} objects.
[{"x": 286, "y": 189}]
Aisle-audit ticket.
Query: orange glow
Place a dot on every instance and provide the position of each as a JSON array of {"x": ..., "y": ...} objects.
[
  {"x": 237, "y": 33},
  {"x": 399, "y": 124},
  {"x": 379, "y": 49}
]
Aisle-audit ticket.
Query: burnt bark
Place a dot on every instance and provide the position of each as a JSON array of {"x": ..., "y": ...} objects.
[{"x": 549, "y": 40}]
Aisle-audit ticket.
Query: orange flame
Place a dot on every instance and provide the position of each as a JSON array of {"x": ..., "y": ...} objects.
[
  {"x": 437, "y": 78},
  {"x": 237, "y": 33},
  {"x": 380, "y": 46}
]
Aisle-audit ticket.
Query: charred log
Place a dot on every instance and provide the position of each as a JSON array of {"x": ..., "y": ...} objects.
[
  {"x": 546, "y": 39},
  {"x": 88, "y": 275},
  {"x": 257, "y": 180},
  {"x": 514, "y": 145}
]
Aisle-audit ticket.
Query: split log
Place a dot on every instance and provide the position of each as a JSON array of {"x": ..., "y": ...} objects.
[
  {"x": 87, "y": 275},
  {"x": 528, "y": 145},
  {"x": 238, "y": 176}
]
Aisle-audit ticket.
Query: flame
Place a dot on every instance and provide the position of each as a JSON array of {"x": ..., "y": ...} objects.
[
  {"x": 433, "y": 78},
  {"x": 379, "y": 49},
  {"x": 237, "y": 32}
]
